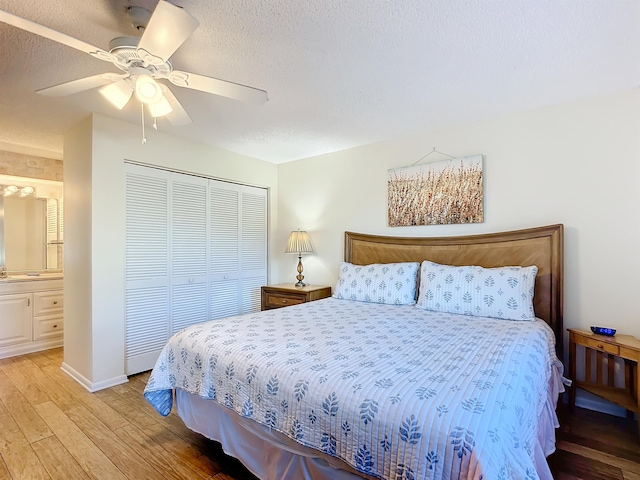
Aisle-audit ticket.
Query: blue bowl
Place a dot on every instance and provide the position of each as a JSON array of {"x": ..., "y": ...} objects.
[{"x": 608, "y": 332}]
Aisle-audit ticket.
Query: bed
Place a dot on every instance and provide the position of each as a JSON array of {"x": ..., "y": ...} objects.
[{"x": 344, "y": 389}]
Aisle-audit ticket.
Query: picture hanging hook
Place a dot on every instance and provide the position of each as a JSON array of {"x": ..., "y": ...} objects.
[{"x": 432, "y": 151}]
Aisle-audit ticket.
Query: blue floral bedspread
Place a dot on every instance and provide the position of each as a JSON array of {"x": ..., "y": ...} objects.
[{"x": 395, "y": 391}]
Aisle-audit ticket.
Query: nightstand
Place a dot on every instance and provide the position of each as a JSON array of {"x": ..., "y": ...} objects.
[
  {"x": 285, "y": 294},
  {"x": 625, "y": 347}
]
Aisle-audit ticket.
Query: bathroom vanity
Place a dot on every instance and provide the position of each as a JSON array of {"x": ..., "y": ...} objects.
[
  {"x": 31, "y": 314},
  {"x": 31, "y": 239}
]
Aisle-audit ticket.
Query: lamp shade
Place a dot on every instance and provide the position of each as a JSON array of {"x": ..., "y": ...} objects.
[
  {"x": 160, "y": 108},
  {"x": 299, "y": 242},
  {"x": 147, "y": 89},
  {"x": 118, "y": 93}
]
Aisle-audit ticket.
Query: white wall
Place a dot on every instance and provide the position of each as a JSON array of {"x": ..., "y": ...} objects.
[
  {"x": 78, "y": 323},
  {"x": 101, "y": 273},
  {"x": 576, "y": 164}
]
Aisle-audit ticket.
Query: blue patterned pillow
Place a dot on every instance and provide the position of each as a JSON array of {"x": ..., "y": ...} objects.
[
  {"x": 392, "y": 283},
  {"x": 503, "y": 292}
]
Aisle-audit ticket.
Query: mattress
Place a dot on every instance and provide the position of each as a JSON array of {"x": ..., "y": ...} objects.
[{"x": 394, "y": 392}]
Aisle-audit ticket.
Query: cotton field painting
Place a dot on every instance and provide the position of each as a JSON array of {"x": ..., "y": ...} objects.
[{"x": 437, "y": 193}]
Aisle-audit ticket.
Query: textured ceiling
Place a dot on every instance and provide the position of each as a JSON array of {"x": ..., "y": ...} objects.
[{"x": 339, "y": 73}]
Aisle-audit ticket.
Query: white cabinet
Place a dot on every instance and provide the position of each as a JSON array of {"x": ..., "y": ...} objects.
[
  {"x": 31, "y": 316},
  {"x": 15, "y": 319},
  {"x": 196, "y": 250},
  {"x": 48, "y": 321},
  {"x": 47, "y": 302},
  {"x": 47, "y": 326}
]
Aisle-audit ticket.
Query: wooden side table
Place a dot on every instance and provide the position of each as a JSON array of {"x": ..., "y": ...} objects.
[
  {"x": 625, "y": 347},
  {"x": 285, "y": 294}
]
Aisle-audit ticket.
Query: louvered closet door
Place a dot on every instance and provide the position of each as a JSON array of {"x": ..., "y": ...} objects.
[
  {"x": 238, "y": 248},
  {"x": 189, "y": 302},
  {"x": 225, "y": 249},
  {"x": 196, "y": 250},
  {"x": 147, "y": 266},
  {"x": 253, "y": 240}
]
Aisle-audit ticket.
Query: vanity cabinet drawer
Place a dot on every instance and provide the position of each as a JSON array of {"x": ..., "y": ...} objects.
[
  {"x": 47, "y": 326},
  {"x": 47, "y": 302}
]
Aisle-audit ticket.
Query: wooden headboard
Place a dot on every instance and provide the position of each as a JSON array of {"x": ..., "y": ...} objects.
[{"x": 542, "y": 246}]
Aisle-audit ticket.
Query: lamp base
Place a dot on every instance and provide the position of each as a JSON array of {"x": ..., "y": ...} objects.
[{"x": 300, "y": 277}]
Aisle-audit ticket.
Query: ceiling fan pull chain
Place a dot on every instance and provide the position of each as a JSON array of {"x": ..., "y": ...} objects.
[
  {"x": 144, "y": 139},
  {"x": 155, "y": 123}
]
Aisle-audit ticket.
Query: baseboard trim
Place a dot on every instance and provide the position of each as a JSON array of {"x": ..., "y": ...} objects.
[
  {"x": 88, "y": 384},
  {"x": 30, "y": 347}
]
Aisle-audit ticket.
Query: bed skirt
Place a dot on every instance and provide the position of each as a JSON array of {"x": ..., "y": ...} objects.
[{"x": 268, "y": 454}]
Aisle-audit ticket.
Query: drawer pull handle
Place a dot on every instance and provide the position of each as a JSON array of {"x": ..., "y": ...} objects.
[
  {"x": 55, "y": 302},
  {"x": 55, "y": 326},
  {"x": 600, "y": 346},
  {"x": 284, "y": 301}
]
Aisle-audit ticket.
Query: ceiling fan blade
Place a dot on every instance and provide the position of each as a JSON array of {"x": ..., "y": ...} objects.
[
  {"x": 178, "y": 116},
  {"x": 54, "y": 35},
  {"x": 168, "y": 28},
  {"x": 218, "y": 87},
  {"x": 80, "y": 85}
]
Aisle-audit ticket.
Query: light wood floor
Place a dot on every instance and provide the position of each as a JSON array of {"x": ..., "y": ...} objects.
[{"x": 51, "y": 427}]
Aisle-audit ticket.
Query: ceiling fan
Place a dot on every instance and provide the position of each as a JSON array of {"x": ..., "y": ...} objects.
[{"x": 144, "y": 61}]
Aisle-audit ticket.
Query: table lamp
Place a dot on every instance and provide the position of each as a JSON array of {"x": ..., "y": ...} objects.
[{"x": 299, "y": 242}]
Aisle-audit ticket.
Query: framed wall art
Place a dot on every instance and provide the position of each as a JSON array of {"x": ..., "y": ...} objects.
[{"x": 437, "y": 193}]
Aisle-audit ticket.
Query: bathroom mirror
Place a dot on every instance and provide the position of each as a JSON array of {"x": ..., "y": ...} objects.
[{"x": 30, "y": 225}]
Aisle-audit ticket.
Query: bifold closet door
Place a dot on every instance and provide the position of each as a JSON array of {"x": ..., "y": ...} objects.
[
  {"x": 238, "y": 241},
  {"x": 254, "y": 247},
  {"x": 224, "y": 227},
  {"x": 196, "y": 250},
  {"x": 147, "y": 266},
  {"x": 188, "y": 251}
]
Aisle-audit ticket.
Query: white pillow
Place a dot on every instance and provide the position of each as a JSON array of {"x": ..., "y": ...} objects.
[
  {"x": 392, "y": 283},
  {"x": 504, "y": 292}
]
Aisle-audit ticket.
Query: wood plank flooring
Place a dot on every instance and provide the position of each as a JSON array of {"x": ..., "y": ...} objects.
[
  {"x": 593, "y": 445},
  {"x": 52, "y": 428}
]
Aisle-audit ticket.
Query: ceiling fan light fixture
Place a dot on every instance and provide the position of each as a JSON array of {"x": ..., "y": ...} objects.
[
  {"x": 160, "y": 108},
  {"x": 147, "y": 89},
  {"x": 118, "y": 93},
  {"x": 142, "y": 60}
]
